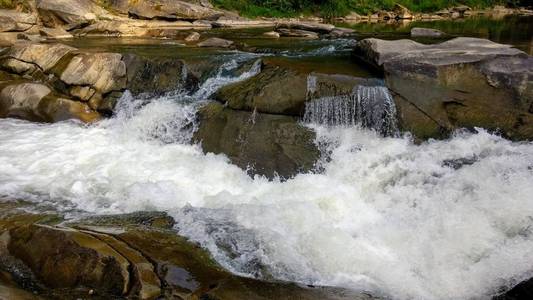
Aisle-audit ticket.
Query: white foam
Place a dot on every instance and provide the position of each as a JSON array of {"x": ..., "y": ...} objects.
[{"x": 386, "y": 215}]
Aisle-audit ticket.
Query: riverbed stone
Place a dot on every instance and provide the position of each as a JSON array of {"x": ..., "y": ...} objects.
[
  {"x": 55, "y": 33},
  {"x": 216, "y": 43},
  {"x": 297, "y": 33},
  {"x": 271, "y": 34},
  {"x": 426, "y": 32},
  {"x": 464, "y": 82},
  {"x": 192, "y": 37},
  {"x": 22, "y": 100},
  {"x": 402, "y": 12},
  {"x": 36, "y": 102},
  {"x": 157, "y": 75},
  {"x": 63, "y": 258},
  {"x": 14, "y": 21},
  {"x": 103, "y": 71},
  {"x": 265, "y": 144},
  {"x": 83, "y": 258},
  {"x": 281, "y": 90},
  {"x": 56, "y": 108},
  {"x": 307, "y": 26}
]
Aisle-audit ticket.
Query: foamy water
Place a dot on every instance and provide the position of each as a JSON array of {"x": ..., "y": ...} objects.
[{"x": 442, "y": 220}]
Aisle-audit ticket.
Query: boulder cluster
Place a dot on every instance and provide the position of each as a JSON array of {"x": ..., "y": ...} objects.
[{"x": 50, "y": 82}]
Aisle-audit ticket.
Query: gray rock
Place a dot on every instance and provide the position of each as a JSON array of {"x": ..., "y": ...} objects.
[
  {"x": 464, "y": 82},
  {"x": 157, "y": 75},
  {"x": 166, "y": 9},
  {"x": 402, "y": 12},
  {"x": 271, "y": 34},
  {"x": 268, "y": 144},
  {"x": 281, "y": 90},
  {"x": 35, "y": 102},
  {"x": 307, "y": 26},
  {"x": 105, "y": 72},
  {"x": 55, "y": 33},
  {"x": 297, "y": 33},
  {"x": 14, "y": 21},
  {"x": 69, "y": 13},
  {"x": 216, "y": 43},
  {"x": 193, "y": 37}
]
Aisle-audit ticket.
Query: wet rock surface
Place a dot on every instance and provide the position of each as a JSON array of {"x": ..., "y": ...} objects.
[
  {"x": 281, "y": 90},
  {"x": 464, "y": 82},
  {"x": 266, "y": 144},
  {"x": 426, "y": 32},
  {"x": 126, "y": 259},
  {"x": 157, "y": 75}
]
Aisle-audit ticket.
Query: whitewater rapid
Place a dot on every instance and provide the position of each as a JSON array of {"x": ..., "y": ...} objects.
[{"x": 442, "y": 220}]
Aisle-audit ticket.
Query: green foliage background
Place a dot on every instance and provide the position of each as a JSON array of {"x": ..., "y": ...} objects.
[{"x": 330, "y": 8}]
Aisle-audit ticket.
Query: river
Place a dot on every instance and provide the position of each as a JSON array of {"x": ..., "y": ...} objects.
[{"x": 444, "y": 219}]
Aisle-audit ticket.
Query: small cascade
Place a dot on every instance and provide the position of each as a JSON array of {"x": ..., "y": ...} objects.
[
  {"x": 367, "y": 106},
  {"x": 224, "y": 77}
]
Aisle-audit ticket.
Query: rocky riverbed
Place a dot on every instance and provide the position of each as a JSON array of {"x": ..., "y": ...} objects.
[{"x": 294, "y": 161}]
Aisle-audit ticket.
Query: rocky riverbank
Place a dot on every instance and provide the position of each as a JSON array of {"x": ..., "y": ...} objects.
[{"x": 36, "y": 20}]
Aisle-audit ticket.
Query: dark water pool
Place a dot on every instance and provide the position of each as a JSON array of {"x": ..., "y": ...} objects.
[{"x": 513, "y": 30}]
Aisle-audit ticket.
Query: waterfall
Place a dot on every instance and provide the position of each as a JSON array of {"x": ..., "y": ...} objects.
[{"x": 367, "y": 106}]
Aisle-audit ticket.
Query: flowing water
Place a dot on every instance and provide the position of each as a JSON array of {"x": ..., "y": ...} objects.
[
  {"x": 445, "y": 219},
  {"x": 368, "y": 106}
]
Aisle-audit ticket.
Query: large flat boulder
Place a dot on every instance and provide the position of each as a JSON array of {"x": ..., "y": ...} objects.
[
  {"x": 81, "y": 85},
  {"x": 165, "y": 9},
  {"x": 307, "y": 26},
  {"x": 14, "y": 21},
  {"x": 464, "y": 82},
  {"x": 105, "y": 72},
  {"x": 138, "y": 28},
  {"x": 69, "y": 13},
  {"x": 122, "y": 257},
  {"x": 285, "y": 91},
  {"x": 36, "y": 102},
  {"x": 265, "y": 144},
  {"x": 157, "y": 75}
]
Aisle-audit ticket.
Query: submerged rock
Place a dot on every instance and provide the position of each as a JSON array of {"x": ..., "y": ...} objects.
[
  {"x": 281, "y": 90},
  {"x": 193, "y": 37},
  {"x": 426, "y": 32},
  {"x": 216, "y": 43},
  {"x": 464, "y": 82},
  {"x": 157, "y": 75},
  {"x": 268, "y": 144},
  {"x": 105, "y": 72},
  {"x": 165, "y": 9}
]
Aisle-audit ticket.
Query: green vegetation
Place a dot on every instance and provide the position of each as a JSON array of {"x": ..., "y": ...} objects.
[
  {"x": 7, "y": 4},
  {"x": 331, "y": 8},
  {"x": 12, "y": 4}
]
